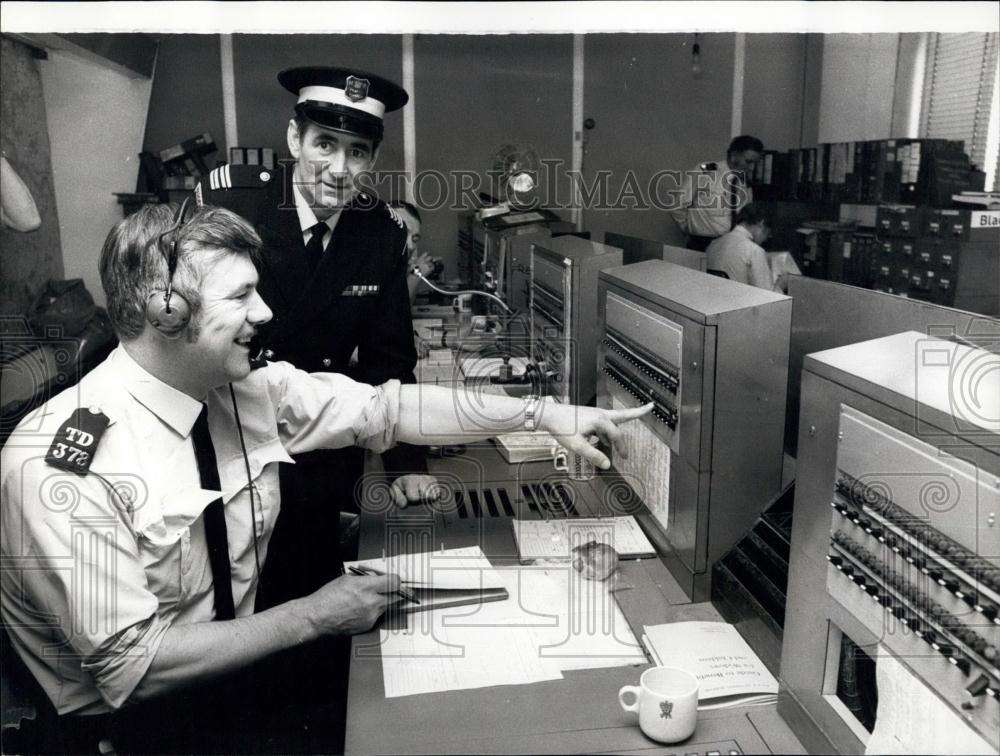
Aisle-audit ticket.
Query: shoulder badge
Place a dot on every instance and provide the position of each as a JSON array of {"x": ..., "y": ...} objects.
[
  {"x": 395, "y": 216},
  {"x": 239, "y": 177},
  {"x": 76, "y": 440}
]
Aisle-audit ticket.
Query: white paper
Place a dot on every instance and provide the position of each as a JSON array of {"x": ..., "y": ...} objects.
[
  {"x": 782, "y": 262},
  {"x": 554, "y": 620},
  {"x": 425, "y": 327},
  {"x": 647, "y": 467},
  {"x": 912, "y": 719},
  {"x": 449, "y": 568},
  {"x": 715, "y": 653},
  {"x": 555, "y": 539},
  {"x": 484, "y": 367}
]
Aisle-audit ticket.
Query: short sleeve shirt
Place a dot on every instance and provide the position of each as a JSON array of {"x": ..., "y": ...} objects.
[{"x": 97, "y": 567}]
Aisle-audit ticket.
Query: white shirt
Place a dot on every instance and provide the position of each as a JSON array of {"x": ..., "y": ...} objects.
[
  {"x": 742, "y": 259},
  {"x": 705, "y": 204},
  {"x": 308, "y": 219},
  {"x": 93, "y": 579}
]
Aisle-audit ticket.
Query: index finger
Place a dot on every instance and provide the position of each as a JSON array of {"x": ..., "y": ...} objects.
[{"x": 631, "y": 413}]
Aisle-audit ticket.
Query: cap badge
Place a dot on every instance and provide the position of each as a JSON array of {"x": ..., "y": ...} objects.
[{"x": 356, "y": 89}]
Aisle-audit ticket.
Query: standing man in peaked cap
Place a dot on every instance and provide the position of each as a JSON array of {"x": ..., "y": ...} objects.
[{"x": 333, "y": 267}]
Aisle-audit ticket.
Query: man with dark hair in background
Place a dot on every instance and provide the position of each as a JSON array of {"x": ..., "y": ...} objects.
[
  {"x": 334, "y": 270},
  {"x": 714, "y": 192},
  {"x": 423, "y": 261},
  {"x": 739, "y": 253}
]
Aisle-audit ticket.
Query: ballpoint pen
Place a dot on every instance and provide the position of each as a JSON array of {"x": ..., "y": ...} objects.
[{"x": 402, "y": 592}]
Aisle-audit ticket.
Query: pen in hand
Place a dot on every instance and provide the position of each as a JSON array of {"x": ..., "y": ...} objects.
[{"x": 371, "y": 571}]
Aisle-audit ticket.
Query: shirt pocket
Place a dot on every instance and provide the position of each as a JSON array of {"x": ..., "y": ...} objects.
[
  {"x": 165, "y": 545},
  {"x": 262, "y": 490}
]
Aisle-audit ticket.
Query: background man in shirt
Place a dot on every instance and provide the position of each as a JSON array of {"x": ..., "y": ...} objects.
[
  {"x": 739, "y": 253},
  {"x": 139, "y": 504},
  {"x": 714, "y": 192}
]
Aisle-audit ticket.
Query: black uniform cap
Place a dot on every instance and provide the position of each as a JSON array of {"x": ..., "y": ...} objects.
[{"x": 343, "y": 99}]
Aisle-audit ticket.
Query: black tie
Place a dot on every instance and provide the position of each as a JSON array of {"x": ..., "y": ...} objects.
[
  {"x": 733, "y": 199},
  {"x": 215, "y": 519},
  {"x": 314, "y": 247}
]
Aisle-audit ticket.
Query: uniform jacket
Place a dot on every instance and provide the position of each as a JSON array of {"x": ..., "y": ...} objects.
[{"x": 356, "y": 299}]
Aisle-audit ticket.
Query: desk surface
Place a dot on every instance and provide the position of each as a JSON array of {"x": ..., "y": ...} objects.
[{"x": 577, "y": 714}]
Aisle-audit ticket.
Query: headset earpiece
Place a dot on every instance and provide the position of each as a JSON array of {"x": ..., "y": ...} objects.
[{"x": 168, "y": 312}]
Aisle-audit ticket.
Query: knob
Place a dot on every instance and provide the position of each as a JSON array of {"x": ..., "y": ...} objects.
[{"x": 978, "y": 687}]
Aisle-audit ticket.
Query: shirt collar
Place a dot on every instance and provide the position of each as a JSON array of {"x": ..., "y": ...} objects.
[
  {"x": 173, "y": 407},
  {"x": 307, "y": 218},
  {"x": 743, "y": 231}
]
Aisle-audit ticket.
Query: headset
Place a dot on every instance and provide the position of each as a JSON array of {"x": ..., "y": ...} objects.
[{"x": 167, "y": 311}]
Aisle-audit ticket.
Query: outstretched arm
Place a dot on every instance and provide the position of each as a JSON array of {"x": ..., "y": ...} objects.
[{"x": 437, "y": 415}]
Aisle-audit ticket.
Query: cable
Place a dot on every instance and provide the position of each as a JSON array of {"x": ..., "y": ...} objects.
[
  {"x": 253, "y": 508},
  {"x": 416, "y": 271}
]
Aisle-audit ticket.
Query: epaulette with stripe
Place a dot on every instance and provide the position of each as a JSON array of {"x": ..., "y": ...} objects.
[
  {"x": 233, "y": 177},
  {"x": 395, "y": 216}
]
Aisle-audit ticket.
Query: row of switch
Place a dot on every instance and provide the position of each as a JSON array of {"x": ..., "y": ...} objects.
[
  {"x": 927, "y": 566},
  {"x": 662, "y": 411},
  {"x": 863, "y": 496},
  {"x": 903, "y": 614},
  {"x": 666, "y": 377},
  {"x": 912, "y": 593}
]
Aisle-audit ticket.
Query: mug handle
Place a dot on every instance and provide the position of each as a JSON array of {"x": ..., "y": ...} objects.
[
  {"x": 560, "y": 461},
  {"x": 625, "y": 690}
]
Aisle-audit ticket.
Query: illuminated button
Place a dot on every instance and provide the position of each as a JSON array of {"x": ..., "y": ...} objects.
[
  {"x": 327, "y": 362},
  {"x": 946, "y": 261}
]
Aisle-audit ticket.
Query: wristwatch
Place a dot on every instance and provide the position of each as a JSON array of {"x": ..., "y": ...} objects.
[{"x": 532, "y": 410}]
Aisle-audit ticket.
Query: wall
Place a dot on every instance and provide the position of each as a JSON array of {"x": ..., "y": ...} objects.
[
  {"x": 774, "y": 89},
  {"x": 651, "y": 114},
  {"x": 859, "y": 72},
  {"x": 28, "y": 260},
  {"x": 474, "y": 94},
  {"x": 96, "y": 122},
  {"x": 186, "y": 98}
]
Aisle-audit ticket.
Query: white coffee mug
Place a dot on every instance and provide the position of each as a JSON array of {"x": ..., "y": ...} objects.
[
  {"x": 666, "y": 700},
  {"x": 576, "y": 466}
]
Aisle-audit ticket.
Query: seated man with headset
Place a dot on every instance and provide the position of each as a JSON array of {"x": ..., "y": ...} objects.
[{"x": 138, "y": 505}]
